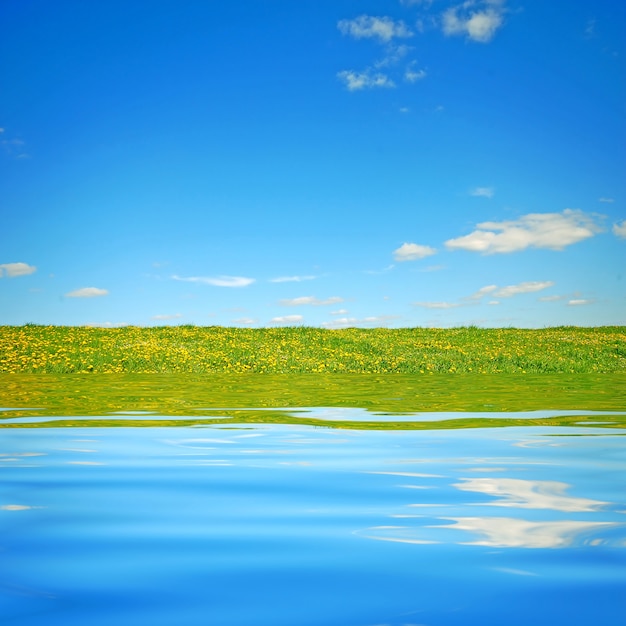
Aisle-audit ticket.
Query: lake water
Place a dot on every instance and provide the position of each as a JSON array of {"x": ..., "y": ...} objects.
[{"x": 215, "y": 502}]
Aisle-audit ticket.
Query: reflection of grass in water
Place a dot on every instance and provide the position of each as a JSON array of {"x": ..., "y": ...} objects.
[
  {"x": 195, "y": 396},
  {"x": 192, "y": 349}
]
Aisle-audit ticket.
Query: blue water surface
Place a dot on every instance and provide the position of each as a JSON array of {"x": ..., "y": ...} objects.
[{"x": 293, "y": 525}]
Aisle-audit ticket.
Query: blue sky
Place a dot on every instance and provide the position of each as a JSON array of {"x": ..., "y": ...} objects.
[{"x": 327, "y": 163}]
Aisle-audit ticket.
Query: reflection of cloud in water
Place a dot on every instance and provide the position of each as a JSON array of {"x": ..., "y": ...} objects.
[
  {"x": 511, "y": 532},
  {"x": 529, "y": 494},
  {"x": 410, "y": 474},
  {"x": 17, "y": 507}
]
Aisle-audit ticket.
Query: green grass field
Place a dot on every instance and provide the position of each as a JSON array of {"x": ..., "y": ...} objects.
[{"x": 193, "y": 349}]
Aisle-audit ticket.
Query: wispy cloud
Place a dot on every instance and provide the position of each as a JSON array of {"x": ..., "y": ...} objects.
[
  {"x": 382, "y": 28},
  {"x": 525, "y": 287},
  {"x": 347, "y": 322},
  {"x": 310, "y": 301},
  {"x": 478, "y": 21},
  {"x": 245, "y": 321},
  {"x": 172, "y": 316},
  {"x": 291, "y": 279},
  {"x": 482, "y": 292},
  {"x": 554, "y": 231},
  {"x": 483, "y": 192},
  {"x": 619, "y": 229},
  {"x": 287, "y": 319},
  {"x": 355, "y": 81},
  {"x": 217, "y": 281},
  {"x": 385, "y": 31},
  {"x": 412, "y": 252},
  {"x": 492, "y": 291},
  {"x": 87, "y": 292},
  {"x": 579, "y": 302},
  {"x": 412, "y": 74},
  {"x": 339, "y": 312},
  {"x": 607, "y": 200},
  {"x": 13, "y": 147},
  {"x": 11, "y": 270}
]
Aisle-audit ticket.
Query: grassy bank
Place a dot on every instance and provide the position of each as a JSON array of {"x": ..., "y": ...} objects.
[{"x": 78, "y": 349}]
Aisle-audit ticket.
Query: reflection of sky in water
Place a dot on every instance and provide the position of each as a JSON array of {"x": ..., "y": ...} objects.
[{"x": 260, "y": 524}]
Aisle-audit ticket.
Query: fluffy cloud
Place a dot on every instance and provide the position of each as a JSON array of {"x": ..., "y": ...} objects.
[
  {"x": 11, "y": 270},
  {"x": 217, "y": 281},
  {"x": 536, "y": 230},
  {"x": 526, "y": 287},
  {"x": 291, "y": 279},
  {"x": 311, "y": 300},
  {"x": 478, "y": 25},
  {"x": 356, "y": 81},
  {"x": 382, "y": 28},
  {"x": 484, "y": 192},
  {"x": 619, "y": 229},
  {"x": 87, "y": 292},
  {"x": 287, "y": 319},
  {"x": 412, "y": 252}
]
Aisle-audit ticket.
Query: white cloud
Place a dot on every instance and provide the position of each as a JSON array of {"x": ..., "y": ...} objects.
[
  {"x": 552, "y": 298},
  {"x": 172, "y": 316},
  {"x": 484, "y": 192},
  {"x": 412, "y": 252},
  {"x": 291, "y": 279},
  {"x": 608, "y": 200},
  {"x": 394, "y": 54},
  {"x": 217, "y": 281},
  {"x": 339, "y": 312},
  {"x": 341, "y": 322},
  {"x": 311, "y": 300},
  {"x": 372, "y": 320},
  {"x": 11, "y": 270},
  {"x": 526, "y": 287},
  {"x": 356, "y": 81},
  {"x": 437, "y": 305},
  {"x": 578, "y": 302},
  {"x": 619, "y": 229},
  {"x": 537, "y": 230},
  {"x": 478, "y": 25},
  {"x": 382, "y": 28},
  {"x": 482, "y": 292},
  {"x": 412, "y": 75},
  {"x": 493, "y": 302},
  {"x": 87, "y": 292},
  {"x": 245, "y": 321},
  {"x": 287, "y": 319}
]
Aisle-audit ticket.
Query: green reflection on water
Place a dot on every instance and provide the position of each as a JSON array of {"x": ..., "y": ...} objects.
[{"x": 264, "y": 398}]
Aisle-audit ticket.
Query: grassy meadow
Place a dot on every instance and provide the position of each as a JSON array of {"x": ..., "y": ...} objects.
[{"x": 194, "y": 349}]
